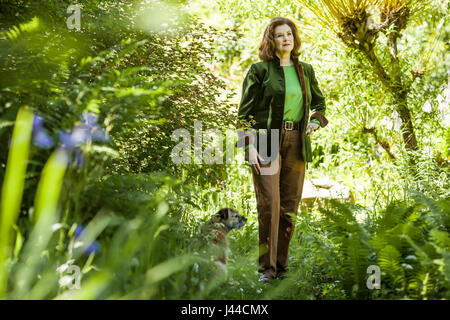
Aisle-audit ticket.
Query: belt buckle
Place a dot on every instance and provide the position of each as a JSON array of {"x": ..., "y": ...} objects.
[{"x": 291, "y": 125}]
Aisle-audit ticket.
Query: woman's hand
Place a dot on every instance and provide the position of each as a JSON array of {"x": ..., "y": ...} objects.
[
  {"x": 312, "y": 126},
  {"x": 254, "y": 159}
]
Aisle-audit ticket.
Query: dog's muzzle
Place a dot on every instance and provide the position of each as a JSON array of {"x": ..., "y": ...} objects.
[{"x": 242, "y": 221}]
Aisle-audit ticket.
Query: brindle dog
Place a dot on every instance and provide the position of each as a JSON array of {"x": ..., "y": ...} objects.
[{"x": 225, "y": 220}]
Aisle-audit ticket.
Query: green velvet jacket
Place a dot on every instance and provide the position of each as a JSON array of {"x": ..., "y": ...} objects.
[{"x": 262, "y": 103}]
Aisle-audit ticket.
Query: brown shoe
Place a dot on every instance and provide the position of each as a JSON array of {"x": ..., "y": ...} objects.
[
  {"x": 281, "y": 272},
  {"x": 281, "y": 276}
]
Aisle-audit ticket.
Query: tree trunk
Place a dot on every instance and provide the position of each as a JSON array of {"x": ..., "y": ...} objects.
[
  {"x": 408, "y": 134},
  {"x": 393, "y": 84},
  {"x": 400, "y": 93}
]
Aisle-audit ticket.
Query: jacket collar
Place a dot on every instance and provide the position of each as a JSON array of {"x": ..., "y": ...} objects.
[{"x": 276, "y": 60}]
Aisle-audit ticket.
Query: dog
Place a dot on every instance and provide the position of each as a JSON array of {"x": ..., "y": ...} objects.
[{"x": 221, "y": 223}]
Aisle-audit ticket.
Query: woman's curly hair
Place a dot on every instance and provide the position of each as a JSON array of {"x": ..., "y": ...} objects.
[{"x": 267, "y": 47}]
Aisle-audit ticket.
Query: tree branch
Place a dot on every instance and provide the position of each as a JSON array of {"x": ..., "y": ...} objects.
[
  {"x": 383, "y": 144},
  {"x": 378, "y": 68}
]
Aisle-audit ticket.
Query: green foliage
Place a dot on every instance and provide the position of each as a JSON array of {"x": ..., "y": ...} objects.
[{"x": 407, "y": 241}]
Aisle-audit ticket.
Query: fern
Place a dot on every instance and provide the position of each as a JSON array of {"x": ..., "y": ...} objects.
[
  {"x": 355, "y": 264},
  {"x": 353, "y": 247},
  {"x": 31, "y": 26},
  {"x": 389, "y": 260},
  {"x": 440, "y": 238}
]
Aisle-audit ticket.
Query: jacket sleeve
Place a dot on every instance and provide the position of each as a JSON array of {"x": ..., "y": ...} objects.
[
  {"x": 250, "y": 95},
  {"x": 317, "y": 101}
]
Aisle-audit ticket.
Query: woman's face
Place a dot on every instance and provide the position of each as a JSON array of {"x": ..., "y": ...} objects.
[{"x": 284, "y": 39}]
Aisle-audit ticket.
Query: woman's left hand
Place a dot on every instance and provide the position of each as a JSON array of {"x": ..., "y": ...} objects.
[{"x": 311, "y": 128}]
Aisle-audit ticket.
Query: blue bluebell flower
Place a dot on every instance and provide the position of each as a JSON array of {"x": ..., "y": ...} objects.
[
  {"x": 89, "y": 119},
  {"x": 65, "y": 138},
  {"x": 40, "y": 136},
  {"x": 89, "y": 130},
  {"x": 99, "y": 135},
  {"x": 42, "y": 139},
  {"x": 96, "y": 133},
  {"x": 38, "y": 123},
  {"x": 78, "y": 231},
  {"x": 94, "y": 247},
  {"x": 71, "y": 141},
  {"x": 77, "y": 137},
  {"x": 81, "y": 134}
]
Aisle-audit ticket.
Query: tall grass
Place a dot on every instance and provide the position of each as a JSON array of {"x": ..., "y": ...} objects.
[{"x": 12, "y": 189}]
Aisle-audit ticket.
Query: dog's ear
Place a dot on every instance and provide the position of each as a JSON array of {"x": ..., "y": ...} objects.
[{"x": 223, "y": 213}]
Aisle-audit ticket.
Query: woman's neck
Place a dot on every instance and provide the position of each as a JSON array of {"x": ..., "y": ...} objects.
[{"x": 285, "y": 59}]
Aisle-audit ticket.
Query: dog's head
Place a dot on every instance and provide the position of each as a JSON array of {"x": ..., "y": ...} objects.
[{"x": 230, "y": 218}]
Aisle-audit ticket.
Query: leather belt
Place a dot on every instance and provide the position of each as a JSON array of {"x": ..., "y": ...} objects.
[{"x": 290, "y": 125}]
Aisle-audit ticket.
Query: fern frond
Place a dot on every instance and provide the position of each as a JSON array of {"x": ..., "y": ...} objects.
[
  {"x": 389, "y": 261},
  {"x": 15, "y": 32},
  {"x": 356, "y": 257},
  {"x": 440, "y": 238}
]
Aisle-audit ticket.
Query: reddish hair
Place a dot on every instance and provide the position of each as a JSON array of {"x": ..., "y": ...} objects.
[{"x": 267, "y": 47}]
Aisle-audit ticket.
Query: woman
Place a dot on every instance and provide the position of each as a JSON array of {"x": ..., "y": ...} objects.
[{"x": 278, "y": 95}]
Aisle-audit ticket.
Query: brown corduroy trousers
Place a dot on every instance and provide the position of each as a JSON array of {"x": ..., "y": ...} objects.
[{"x": 277, "y": 195}]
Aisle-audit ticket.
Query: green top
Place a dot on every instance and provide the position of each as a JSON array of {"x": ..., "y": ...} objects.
[{"x": 293, "y": 102}]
